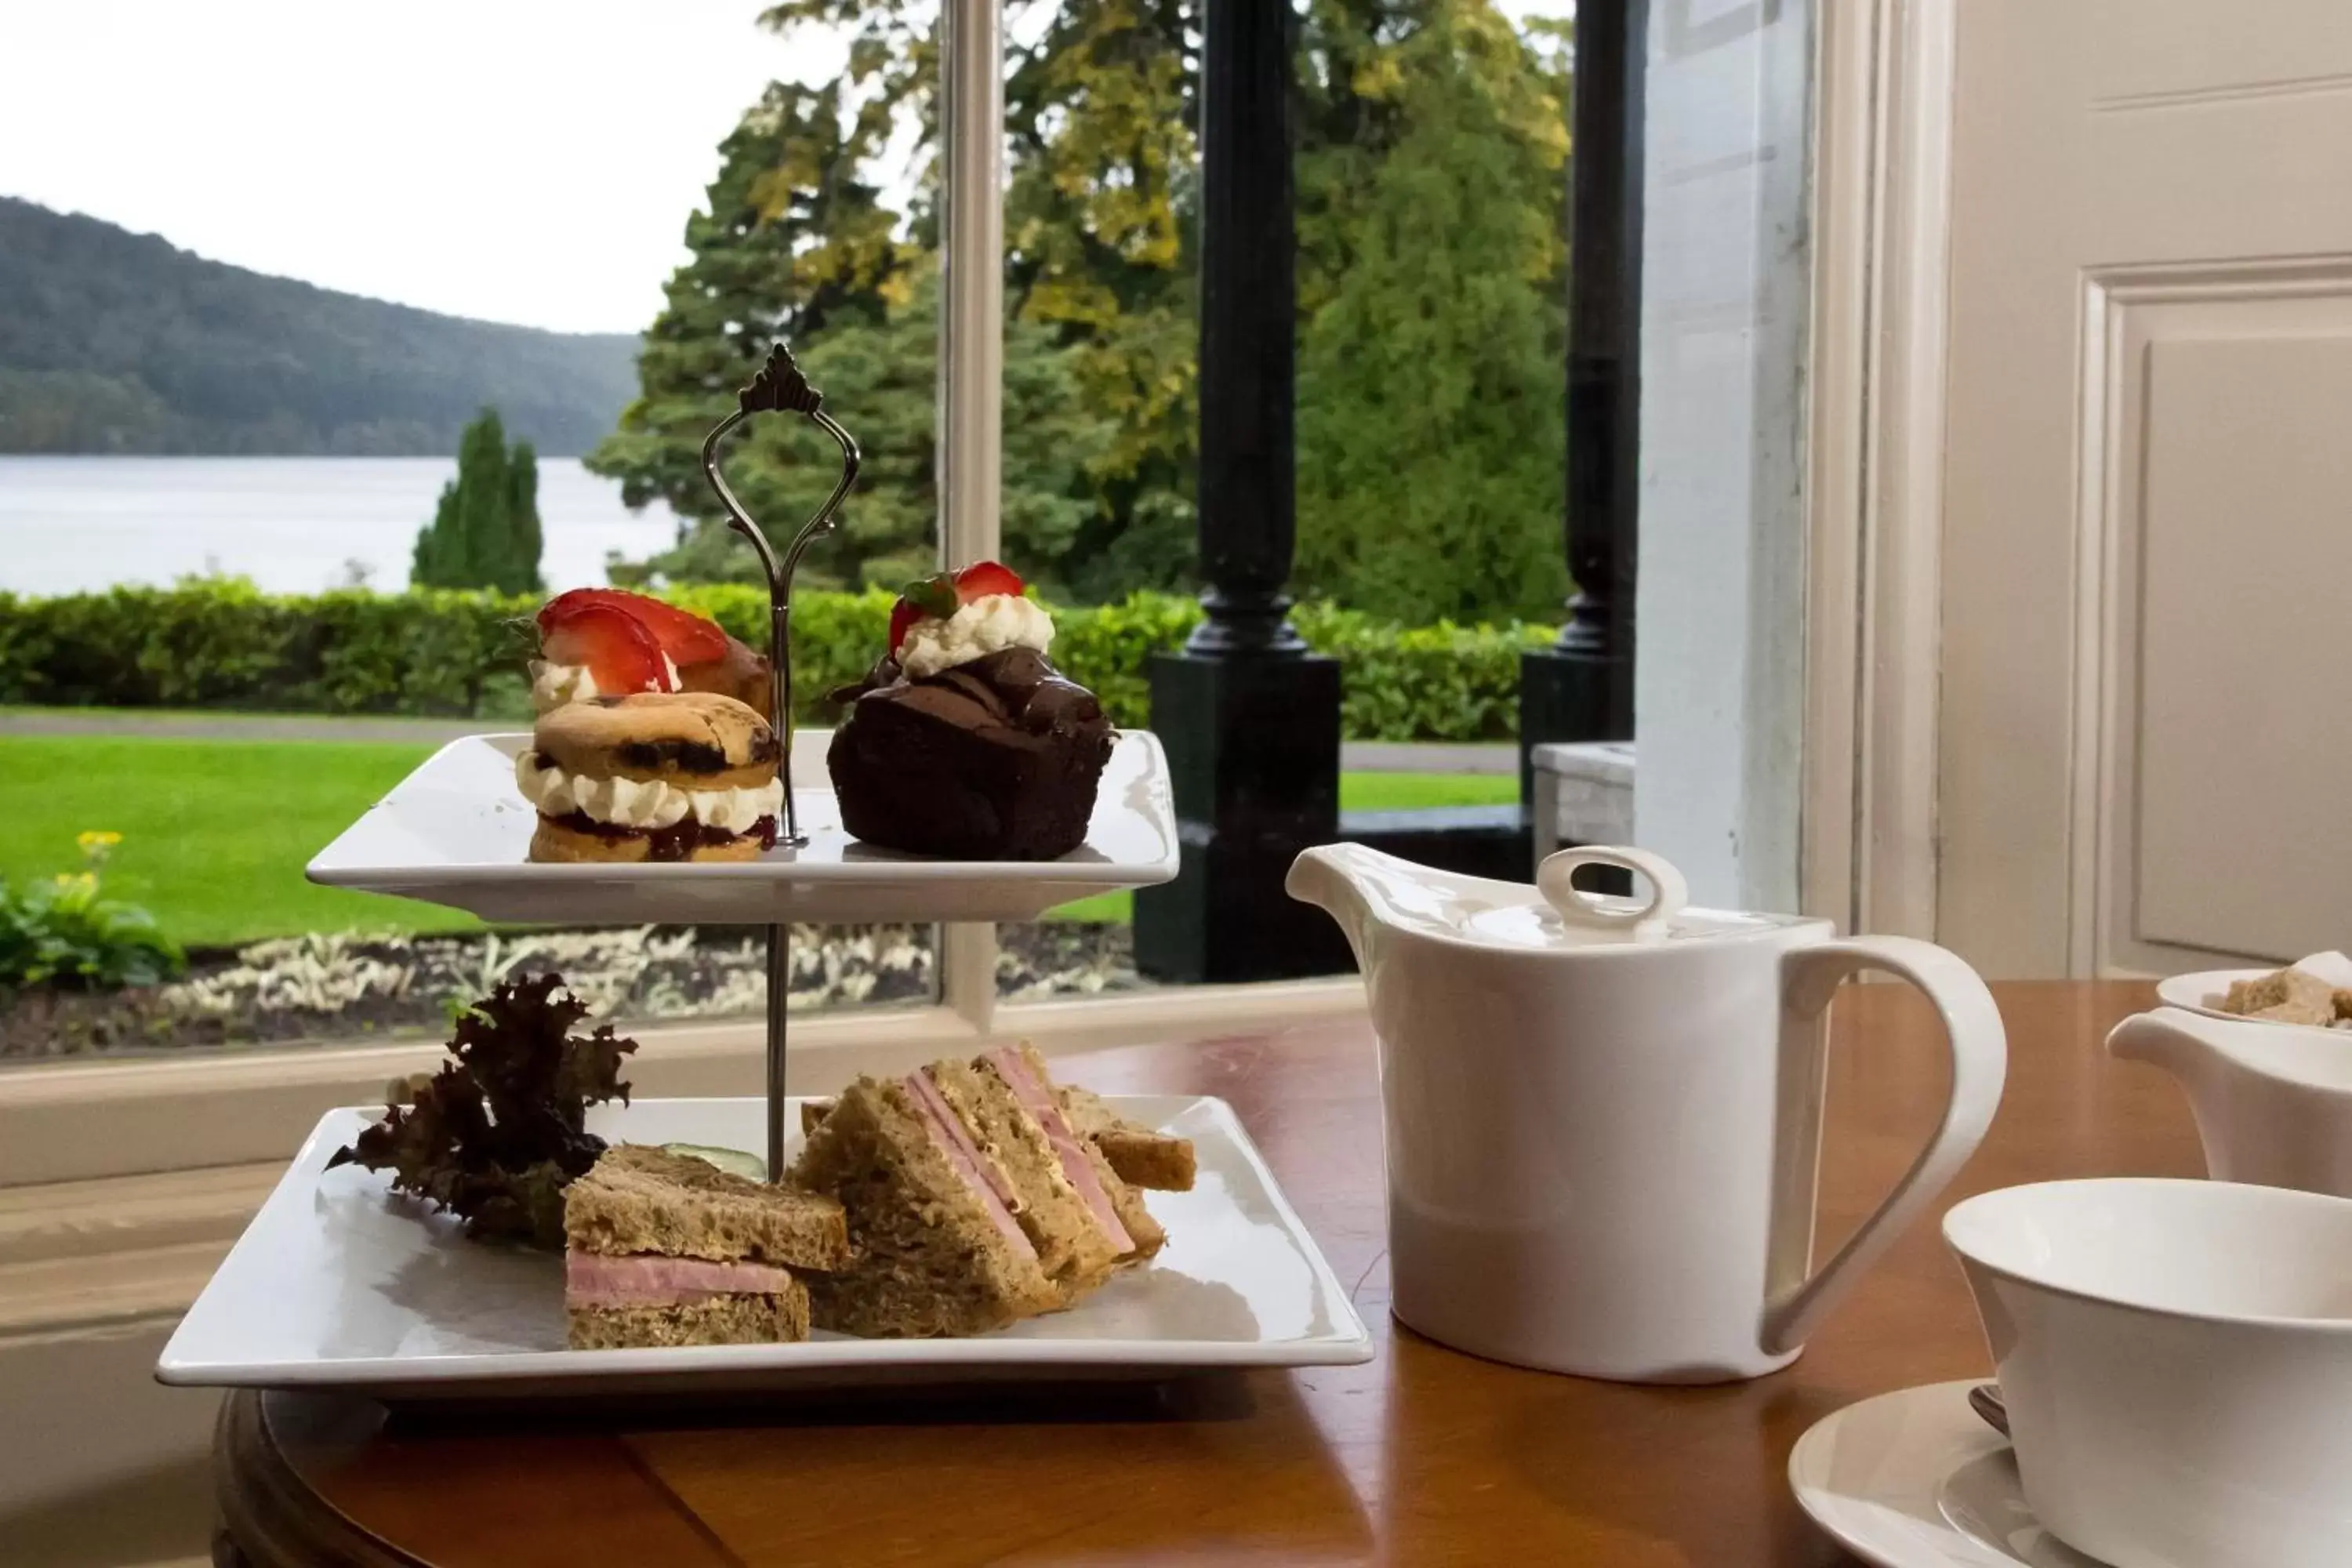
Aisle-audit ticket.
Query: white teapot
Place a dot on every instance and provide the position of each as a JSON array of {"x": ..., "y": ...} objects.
[
  {"x": 2273, "y": 1101},
  {"x": 1602, "y": 1115}
]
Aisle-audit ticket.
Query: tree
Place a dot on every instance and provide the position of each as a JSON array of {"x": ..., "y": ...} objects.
[
  {"x": 1430, "y": 222},
  {"x": 887, "y": 371},
  {"x": 1100, "y": 210},
  {"x": 525, "y": 542},
  {"x": 789, "y": 239},
  {"x": 1432, "y": 379},
  {"x": 485, "y": 532}
]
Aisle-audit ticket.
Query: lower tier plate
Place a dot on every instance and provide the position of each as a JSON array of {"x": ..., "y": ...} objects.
[
  {"x": 458, "y": 832},
  {"x": 339, "y": 1283}
]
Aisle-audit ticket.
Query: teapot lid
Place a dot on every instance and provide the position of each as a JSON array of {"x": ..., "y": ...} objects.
[
  {"x": 1563, "y": 915},
  {"x": 1552, "y": 916}
]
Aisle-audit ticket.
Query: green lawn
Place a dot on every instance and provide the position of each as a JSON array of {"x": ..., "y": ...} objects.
[
  {"x": 1358, "y": 792},
  {"x": 216, "y": 833},
  {"x": 1400, "y": 791}
]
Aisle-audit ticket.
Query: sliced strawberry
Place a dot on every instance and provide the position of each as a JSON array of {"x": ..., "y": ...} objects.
[
  {"x": 621, "y": 654},
  {"x": 934, "y": 596},
  {"x": 686, "y": 636},
  {"x": 982, "y": 578},
  {"x": 941, "y": 594},
  {"x": 902, "y": 615}
]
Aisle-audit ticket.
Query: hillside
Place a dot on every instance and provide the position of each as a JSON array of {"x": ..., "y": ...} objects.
[{"x": 119, "y": 342}]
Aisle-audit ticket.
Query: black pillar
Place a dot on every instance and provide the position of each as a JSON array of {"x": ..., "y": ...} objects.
[
  {"x": 1581, "y": 688},
  {"x": 1249, "y": 717}
]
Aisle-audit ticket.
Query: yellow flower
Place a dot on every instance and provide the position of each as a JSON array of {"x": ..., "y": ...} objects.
[
  {"x": 77, "y": 881},
  {"x": 98, "y": 840}
]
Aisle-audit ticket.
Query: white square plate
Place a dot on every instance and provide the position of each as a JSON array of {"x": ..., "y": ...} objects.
[
  {"x": 338, "y": 1283},
  {"x": 456, "y": 831}
]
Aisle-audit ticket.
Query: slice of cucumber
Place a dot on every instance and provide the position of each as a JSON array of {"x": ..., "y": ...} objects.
[{"x": 733, "y": 1160}]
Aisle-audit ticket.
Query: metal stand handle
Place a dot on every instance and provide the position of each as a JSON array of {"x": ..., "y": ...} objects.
[{"x": 780, "y": 387}]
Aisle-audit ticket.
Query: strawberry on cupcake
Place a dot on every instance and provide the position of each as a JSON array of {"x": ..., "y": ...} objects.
[{"x": 956, "y": 616}]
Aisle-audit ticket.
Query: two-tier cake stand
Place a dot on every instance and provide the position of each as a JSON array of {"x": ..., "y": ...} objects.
[
  {"x": 333, "y": 1286},
  {"x": 458, "y": 832}
]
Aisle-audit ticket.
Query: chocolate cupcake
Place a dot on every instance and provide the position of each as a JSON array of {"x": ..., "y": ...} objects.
[{"x": 963, "y": 740}]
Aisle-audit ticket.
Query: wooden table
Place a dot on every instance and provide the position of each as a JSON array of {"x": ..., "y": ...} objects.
[{"x": 1422, "y": 1456}]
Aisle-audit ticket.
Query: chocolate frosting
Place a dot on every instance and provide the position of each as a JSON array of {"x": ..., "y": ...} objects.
[
  {"x": 1015, "y": 689},
  {"x": 995, "y": 759}
]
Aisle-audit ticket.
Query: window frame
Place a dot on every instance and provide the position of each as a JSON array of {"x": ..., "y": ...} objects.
[{"x": 114, "y": 1117}]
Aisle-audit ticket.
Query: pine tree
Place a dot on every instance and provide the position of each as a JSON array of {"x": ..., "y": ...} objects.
[
  {"x": 525, "y": 541},
  {"x": 485, "y": 532}
]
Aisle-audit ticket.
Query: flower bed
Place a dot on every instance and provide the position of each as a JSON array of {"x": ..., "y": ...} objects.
[{"x": 351, "y": 985}]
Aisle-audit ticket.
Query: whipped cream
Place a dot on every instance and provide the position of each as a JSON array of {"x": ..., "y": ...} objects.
[
  {"x": 553, "y": 685},
  {"x": 989, "y": 623},
  {"x": 645, "y": 804}
]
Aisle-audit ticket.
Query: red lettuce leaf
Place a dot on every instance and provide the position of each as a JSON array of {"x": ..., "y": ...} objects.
[{"x": 499, "y": 1131}]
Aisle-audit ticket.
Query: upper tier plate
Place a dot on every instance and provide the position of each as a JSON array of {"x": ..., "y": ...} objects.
[{"x": 456, "y": 832}]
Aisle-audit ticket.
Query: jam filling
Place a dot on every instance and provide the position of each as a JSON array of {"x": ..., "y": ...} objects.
[{"x": 677, "y": 842}]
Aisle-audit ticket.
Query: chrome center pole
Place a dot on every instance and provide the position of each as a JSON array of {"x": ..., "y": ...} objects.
[
  {"x": 780, "y": 387},
  {"x": 780, "y": 983}
]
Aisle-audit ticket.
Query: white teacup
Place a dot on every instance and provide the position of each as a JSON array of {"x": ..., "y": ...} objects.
[{"x": 2177, "y": 1361}]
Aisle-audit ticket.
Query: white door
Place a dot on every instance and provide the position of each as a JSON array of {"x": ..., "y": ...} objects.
[{"x": 2145, "y": 742}]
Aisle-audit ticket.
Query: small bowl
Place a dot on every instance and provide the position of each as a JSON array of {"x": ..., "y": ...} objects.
[
  {"x": 2193, "y": 992},
  {"x": 2177, "y": 1361}
]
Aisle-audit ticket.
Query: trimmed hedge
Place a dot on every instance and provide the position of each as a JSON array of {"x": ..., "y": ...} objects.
[{"x": 223, "y": 644}]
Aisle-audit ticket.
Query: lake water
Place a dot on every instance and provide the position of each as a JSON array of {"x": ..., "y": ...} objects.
[{"x": 292, "y": 524}]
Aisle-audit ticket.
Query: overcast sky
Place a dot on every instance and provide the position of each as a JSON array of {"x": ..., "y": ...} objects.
[{"x": 528, "y": 161}]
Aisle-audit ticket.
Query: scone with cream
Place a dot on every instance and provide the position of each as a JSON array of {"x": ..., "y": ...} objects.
[
  {"x": 964, "y": 740},
  {"x": 669, "y": 775}
]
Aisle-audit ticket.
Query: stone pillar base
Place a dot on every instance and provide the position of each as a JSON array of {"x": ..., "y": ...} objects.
[
  {"x": 1570, "y": 696},
  {"x": 1584, "y": 795},
  {"x": 1252, "y": 744}
]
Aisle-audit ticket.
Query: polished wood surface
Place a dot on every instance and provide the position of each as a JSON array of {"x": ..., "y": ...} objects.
[{"x": 1422, "y": 1456}]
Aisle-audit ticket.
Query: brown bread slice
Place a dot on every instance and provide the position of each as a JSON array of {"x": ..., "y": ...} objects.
[
  {"x": 1072, "y": 1247},
  {"x": 1146, "y": 1159},
  {"x": 638, "y": 1198},
  {"x": 929, "y": 1259},
  {"x": 1145, "y": 1231},
  {"x": 746, "y": 1319},
  {"x": 1144, "y": 1234},
  {"x": 1142, "y": 1156}
]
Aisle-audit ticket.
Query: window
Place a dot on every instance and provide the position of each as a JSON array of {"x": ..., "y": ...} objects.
[{"x": 1076, "y": 433}]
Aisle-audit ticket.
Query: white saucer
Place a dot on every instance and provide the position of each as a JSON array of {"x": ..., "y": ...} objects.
[{"x": 1916, "y": 1480}]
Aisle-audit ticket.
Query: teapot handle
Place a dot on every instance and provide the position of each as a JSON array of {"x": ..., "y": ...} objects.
[
  {"x": 1978, "y": 1049},
  {"x": 1668, "y": 892}
]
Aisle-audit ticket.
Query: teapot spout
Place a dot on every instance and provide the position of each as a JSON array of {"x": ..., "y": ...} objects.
[
  {"x": 1332, "y": 877},
  {"x": 2167, "y": 1038}
]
